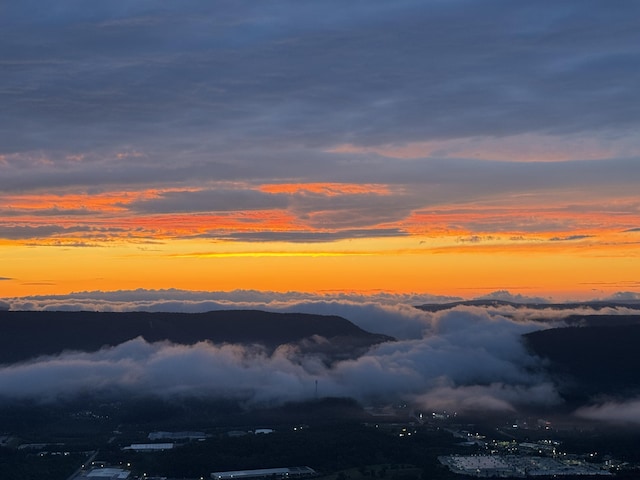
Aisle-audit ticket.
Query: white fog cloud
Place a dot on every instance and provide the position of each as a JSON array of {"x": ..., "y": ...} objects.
[
  {"x": 622, "y": 412},
  {"x": 464, "y": 356}
]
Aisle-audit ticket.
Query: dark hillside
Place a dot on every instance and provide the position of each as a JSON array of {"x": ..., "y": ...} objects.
[
  {"x": 25, "y": 335},
  {"x": 592, "y": 360}
]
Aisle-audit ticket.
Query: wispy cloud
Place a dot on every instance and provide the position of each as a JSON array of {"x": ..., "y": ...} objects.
[
  {"x": 314, "y": 236},
  {"x": 616, "y": 412},
  {"x": 569, "y": 238}
]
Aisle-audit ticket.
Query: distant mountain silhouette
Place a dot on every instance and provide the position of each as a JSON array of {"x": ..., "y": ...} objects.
[
  {"x": 488, "y": 303},
  {"x": 26, "y": 335}
]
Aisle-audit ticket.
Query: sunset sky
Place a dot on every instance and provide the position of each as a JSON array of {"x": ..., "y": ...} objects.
[{"x": 450, "y": 147}]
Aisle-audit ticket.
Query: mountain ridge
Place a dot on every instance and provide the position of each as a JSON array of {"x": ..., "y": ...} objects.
[
  {"x": 495, "y": 303},
  {"x": 25, "y": 335}
]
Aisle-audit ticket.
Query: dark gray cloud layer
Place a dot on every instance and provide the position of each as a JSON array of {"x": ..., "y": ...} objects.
[
  {"x": 211, "y": 90},
  {"x": 320, "y": 71},
  {"x": 311, "y": 237},
  {"x": 219, "y": 200}
]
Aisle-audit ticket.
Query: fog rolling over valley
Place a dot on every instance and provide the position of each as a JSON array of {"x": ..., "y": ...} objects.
[{"x": 377, "y": 350}]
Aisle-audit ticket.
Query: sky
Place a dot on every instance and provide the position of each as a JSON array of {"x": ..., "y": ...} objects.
[{"x": 451, "y": 148}]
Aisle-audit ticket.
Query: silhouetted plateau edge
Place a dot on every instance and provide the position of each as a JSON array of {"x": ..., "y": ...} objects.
[
  {"x": 591, "y": 361},
  {"x": 29, "y": 334},
  {"x": 494, "y": 303}
]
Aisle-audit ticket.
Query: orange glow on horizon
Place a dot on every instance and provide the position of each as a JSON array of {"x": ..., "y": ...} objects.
[
  {"x": 394, "y": 265},
  {"x": 59, "y": 243}
]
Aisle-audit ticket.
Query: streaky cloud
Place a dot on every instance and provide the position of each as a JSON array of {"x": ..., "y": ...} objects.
[{"x": 312, "y": 236}]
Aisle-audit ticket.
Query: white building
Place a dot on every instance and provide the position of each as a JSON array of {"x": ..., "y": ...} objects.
[
  {"x": 149, "y": 447},
  {"x": 177, "y": 436},
  {"x": 290, "y": 472}
]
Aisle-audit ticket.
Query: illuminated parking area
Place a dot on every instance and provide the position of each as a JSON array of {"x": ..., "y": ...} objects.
[
  {"x": 107, "y": 473},
  {"x": 478, "y": 465},
  {"x": 517, "y": 466}
]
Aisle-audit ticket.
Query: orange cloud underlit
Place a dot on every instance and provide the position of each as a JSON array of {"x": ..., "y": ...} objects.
[
  {"x": 99, "y": 202},
  {"x": 327, "y": 189}
]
